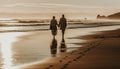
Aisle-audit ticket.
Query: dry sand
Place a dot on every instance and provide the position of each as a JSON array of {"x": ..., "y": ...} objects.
[{"x": 102, "y": 51}]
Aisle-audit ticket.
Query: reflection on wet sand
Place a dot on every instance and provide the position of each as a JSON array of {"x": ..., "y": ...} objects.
[
  {"x": 6, "y": 50},
  {"x": 53, "y": 47},
  {"x": 63, "y": 47}
]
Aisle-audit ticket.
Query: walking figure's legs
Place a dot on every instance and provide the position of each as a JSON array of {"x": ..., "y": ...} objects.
[
  {"x": 53, "y": 36},
  {"x": 54, "y": 33},
  {"x": 63, "y": 31}
]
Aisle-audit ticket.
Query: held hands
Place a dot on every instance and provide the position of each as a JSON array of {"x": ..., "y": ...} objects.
[{"x": 58, "y": 26}]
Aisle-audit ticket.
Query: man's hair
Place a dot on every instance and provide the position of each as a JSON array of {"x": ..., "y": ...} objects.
[
  {"x": 63, "y": 15},
  {"x": 53, "y": 17}
]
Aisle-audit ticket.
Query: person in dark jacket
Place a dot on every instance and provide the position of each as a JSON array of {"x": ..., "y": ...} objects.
[
  {"x": 63, "y": 25},
  {"x": 53, "y": 26}
]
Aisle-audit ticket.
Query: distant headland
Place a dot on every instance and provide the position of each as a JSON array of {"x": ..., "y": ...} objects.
[{"x": 112, "y": 16}]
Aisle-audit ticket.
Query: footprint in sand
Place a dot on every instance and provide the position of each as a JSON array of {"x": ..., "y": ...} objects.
[{"x": 49, "y": 67}]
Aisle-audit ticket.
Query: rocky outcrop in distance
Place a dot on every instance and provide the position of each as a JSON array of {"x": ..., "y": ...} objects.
[{"x": 112, "y": 16}]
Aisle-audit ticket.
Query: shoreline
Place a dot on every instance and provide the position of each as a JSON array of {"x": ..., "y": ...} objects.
[
  {"x": 38, "y": 44},
  {"x": 71, "y": 26},
  {"x": 78, "y": 58}
]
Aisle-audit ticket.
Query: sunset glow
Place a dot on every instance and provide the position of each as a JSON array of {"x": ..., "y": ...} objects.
[{"x": 85, "y": 8}]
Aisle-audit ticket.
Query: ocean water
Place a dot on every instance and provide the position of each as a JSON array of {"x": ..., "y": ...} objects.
[{"x": 24, "y": 43}]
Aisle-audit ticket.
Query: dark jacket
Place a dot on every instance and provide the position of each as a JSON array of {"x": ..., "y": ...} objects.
[
  {"x": 62, "y": 23},
  {"x": 53, "y": 24}
]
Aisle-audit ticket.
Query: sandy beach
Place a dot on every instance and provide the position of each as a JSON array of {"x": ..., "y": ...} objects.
[
  {"x": 32, "y": 49},
  {"x": 60, "y": 34},
  {"x": 100, "y": 50}
]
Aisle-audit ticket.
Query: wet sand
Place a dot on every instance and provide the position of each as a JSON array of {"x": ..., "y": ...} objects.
[{"x": 101, "y": 51}]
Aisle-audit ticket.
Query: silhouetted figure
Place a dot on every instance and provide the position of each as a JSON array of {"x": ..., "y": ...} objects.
[
  {"x": 53, "y": 47},
  {"x": 63, "y": 47},
  {"x": 53, "y": 26},
  {"x": 63, "y": 25}
]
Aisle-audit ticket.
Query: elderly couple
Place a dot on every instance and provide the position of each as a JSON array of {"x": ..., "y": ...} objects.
[{"x": 62, "y": 24}]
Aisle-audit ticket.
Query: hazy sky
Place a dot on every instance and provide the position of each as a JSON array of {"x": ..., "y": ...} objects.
[{"x": 56, "y": 6}]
